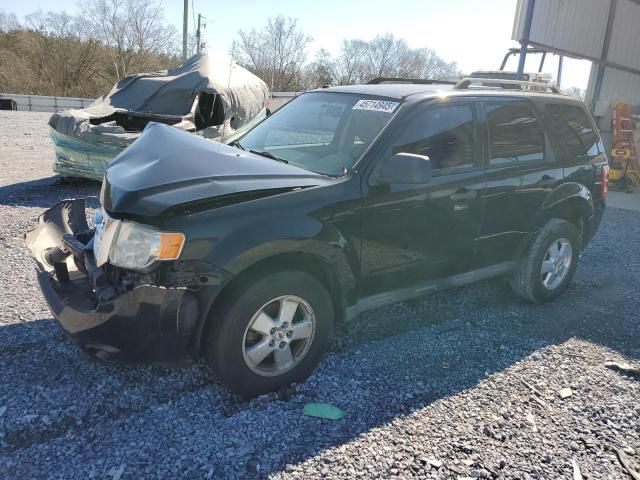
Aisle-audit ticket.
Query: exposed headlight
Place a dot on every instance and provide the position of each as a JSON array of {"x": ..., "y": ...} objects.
[{"x": 137, "y": 246}]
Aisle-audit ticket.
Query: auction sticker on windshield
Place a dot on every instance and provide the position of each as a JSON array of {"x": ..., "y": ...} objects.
[{"x": 375, "y": 105}]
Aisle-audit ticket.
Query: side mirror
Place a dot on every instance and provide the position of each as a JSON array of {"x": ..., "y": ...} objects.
[{"x": 405, "y": 168}]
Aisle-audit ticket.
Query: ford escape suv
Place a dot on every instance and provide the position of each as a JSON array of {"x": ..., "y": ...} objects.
[{"x": 346, "y": 199}]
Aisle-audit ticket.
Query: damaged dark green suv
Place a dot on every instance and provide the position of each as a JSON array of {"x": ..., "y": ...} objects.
[{"x": 344, "y": 200}]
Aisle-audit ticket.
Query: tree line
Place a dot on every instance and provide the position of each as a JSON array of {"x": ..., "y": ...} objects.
[
  {"x": 56, "y": 53},
  {"x": 278, "y": 54}
]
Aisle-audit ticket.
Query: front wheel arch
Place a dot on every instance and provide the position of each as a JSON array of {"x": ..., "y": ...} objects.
[
  {"x": 302, "y": 262},
  {"x": 240, "y": 365}
]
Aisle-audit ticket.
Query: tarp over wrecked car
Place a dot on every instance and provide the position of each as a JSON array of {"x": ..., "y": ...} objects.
[{"x": 207, "y": 94}]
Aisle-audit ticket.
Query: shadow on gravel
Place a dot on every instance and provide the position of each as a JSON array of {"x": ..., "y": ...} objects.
[
  {"x": 19, "y": 338},
  {"x": 46, "y": 192},
  {"x": 391, "y": 363},
  {"x": 472, "y": 333},
  {"x": 37, "y": 355},
  {"x": 607, "y": 317}
]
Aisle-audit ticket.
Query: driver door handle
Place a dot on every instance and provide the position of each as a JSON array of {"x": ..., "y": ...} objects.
[
  {"x": 463, "y": 194},
  {"x": 547, "y": 180}
]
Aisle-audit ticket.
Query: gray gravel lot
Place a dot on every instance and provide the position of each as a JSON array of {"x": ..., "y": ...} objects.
[{"x": 461, "y": 384}]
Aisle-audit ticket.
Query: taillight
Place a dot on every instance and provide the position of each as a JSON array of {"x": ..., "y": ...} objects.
[{"x": 604, "y": 177}]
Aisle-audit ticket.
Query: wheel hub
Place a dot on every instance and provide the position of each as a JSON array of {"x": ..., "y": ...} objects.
[
  {"x": 556, "y": 263},
  {"x": 279, "y": 335},
  {"x": 282, "y": 337}
]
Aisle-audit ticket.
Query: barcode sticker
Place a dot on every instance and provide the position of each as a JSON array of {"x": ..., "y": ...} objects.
[{"x": 376, "y": 105}]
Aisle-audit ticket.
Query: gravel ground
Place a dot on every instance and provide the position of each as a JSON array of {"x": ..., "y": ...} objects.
[{"x": 461, "y": 384}]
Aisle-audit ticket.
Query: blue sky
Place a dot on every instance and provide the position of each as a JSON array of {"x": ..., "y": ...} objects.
[{"x": 474, "y": 33}]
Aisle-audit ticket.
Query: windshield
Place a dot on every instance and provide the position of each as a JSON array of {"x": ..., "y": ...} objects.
[{"x": 321, "y": 131}]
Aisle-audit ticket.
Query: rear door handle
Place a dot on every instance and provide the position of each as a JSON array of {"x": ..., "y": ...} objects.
[
  {"x": 463, "y": 195},
  {"x": 546, "y": 180}
]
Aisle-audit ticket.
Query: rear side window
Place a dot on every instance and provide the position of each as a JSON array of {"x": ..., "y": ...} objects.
[
  {"x": 575, "y": 130},
  {"x": 515, "y": 135},
  {"x": 446, "y": 134}
]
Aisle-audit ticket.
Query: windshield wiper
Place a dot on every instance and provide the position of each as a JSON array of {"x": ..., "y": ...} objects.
[
  {"x": 269, "y": 155},
  {"x": 236, "y": 144}
]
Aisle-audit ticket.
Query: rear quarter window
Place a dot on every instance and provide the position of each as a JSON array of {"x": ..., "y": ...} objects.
[{"x": 575, "y": 131}]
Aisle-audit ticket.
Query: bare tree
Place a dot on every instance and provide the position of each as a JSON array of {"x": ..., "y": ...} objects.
[
  {"x": 56, "y": 53},
  {"x": 351, "y": 65},
  {"x": 387, "y": 56},
  {"x": 16, "y": 72},
  {"x": 427, "y": 64},
  {"x": 320, "y": 72},
  {"x": 8, "y": 21},
  {"x": 134, "y": 31},
  {"x": 62, "y": 54},
  {"x": 276, "y": 53},
  {"x": 65, "y": 51},
  {"x": 384, "y": 56}
]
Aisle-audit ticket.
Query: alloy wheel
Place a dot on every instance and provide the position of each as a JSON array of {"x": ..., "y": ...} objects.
[
  {"x": 556, "y": 263},
  {"x": 279, "y": 336}
]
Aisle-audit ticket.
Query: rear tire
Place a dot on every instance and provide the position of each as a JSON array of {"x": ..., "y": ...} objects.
[
  {"x": 269, "y": 333},
  {"x": 545, "y": 273}
]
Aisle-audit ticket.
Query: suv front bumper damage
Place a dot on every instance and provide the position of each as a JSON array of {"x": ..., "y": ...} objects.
[{"x": 142, "y": 323}]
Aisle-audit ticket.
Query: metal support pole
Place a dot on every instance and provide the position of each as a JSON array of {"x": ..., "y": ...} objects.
[
  {"x": 524, "y": 43},
  {"x": 544, "y": 56},
  {"x": 597, "y": 87},
  {"x": 505, "y": 59},
  {"x": 198, "y": 34},
  {"x": 185, "y": 24},
  {"x": 559, "y": 76}
]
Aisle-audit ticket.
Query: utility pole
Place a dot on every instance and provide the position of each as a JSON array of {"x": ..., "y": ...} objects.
[
  {"x": 185, "y": 24},
  {"x": 198, "y": 34}
]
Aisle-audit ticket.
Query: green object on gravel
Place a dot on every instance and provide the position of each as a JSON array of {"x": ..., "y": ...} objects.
[{"x": 323, "y": 410}]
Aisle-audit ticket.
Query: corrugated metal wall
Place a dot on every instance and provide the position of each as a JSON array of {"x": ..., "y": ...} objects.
[
  {"x": 578, "y": 27},
  {"x": 624, "y": 48},
  {"x": 617, "y": 85},
  {"x": 572, "y": 25}
]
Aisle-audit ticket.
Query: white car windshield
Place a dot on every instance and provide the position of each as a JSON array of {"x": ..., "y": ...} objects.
[{"x": 321, "y": 131}]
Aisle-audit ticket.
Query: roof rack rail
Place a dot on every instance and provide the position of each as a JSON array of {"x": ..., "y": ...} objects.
[
  {"x": 423, "y": 81},
  {"x": 465, "y": 83}
]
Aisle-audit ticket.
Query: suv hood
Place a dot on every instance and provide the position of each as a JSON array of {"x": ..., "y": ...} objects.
[{"x": 167, "y": 168}]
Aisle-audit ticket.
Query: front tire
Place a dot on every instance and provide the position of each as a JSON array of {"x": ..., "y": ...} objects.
[
  {"x": 269, "y": 333},
  {"x": 551, "y": 263}
]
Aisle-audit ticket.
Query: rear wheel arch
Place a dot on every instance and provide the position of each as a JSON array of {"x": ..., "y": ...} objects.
[
  {"x": 311, "y": 264},
  {"x": 575, "y": 209}
]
